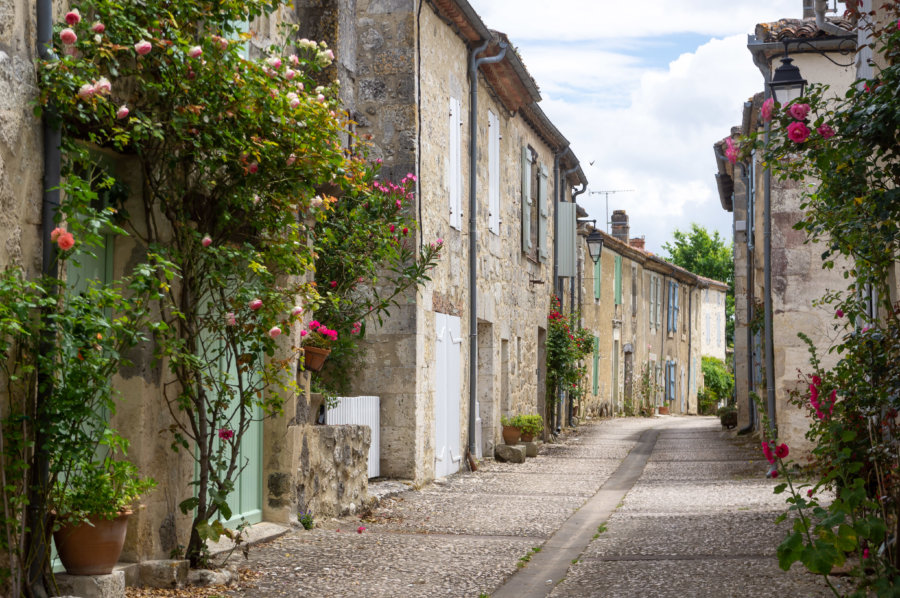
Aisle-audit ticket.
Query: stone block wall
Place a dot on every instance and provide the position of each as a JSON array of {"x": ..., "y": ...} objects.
[{"x": 332, "y": 474}]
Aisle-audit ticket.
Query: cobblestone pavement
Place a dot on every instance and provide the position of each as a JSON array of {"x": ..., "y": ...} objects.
[{"x": 699, "y": 522}]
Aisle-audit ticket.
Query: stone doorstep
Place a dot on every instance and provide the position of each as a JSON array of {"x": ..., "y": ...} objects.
[{"x": 91, "y": 586}]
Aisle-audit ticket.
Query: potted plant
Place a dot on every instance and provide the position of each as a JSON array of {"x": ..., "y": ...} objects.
[
  {"x": 317, "y": 340},
  {"x": 511, "y": 431},
  {"x": 728, "y": 416},
  {"x": 529, "y": 425},
  {"x": 91, "y": 503}
]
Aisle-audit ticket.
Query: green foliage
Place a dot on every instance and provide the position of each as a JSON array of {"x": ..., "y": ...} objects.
[
  {"x": 644, "y": 394},
  {"x": 528, "y": 424},
  {"x": 306, "y": 519},
  {"x": 718, "y": 384},
  {"x": 567, "y": 345},
  {"x": 849, "y": 163},
  {"x": 709, "y": 256}
]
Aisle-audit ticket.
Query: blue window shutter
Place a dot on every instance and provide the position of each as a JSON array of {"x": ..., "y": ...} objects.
[
  {"x": 526, "y": 200},
  {"x": 597, "y": 278}
]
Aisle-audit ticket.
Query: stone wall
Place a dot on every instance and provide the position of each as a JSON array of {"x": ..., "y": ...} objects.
[{"x": 332, "y": 476}]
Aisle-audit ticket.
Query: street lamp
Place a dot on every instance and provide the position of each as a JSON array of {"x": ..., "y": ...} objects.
[
  {"x": 787, "y": 84},
  {"x": 595, "y": 244}
]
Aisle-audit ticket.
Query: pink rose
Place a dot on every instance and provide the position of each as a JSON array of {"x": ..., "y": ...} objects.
[
  {"x": 55, "y": 233},
  {"x": 207, "y": 241},
  {"x": 391, "y": 228},
  {"x": 65, "y": 241},
  {"x": 320, "y": 98},
  {"x": 798, "y": 132},
  {"x": 333, "y": 284},
  {"x": 290, "y": 74},
  {"x": 195, "y": 51},
  {"x": 825, "y": 131},
  {"x": 86, "y": 91},
  {"x": 274, "y": 62},
  {"x": 68, "y": 36},
  {"x": 143, "y": 47},
  {"x": 122, "y": 112},
  {"x": 274, "y": 331},
  {"x": 102, "y": 86},
  {"x": 297, "y": 311},
  {"x": 253, "y": 167},
  {"x": 291, "y": 159},
  {"x": 98, "y": 27},
  {"x": 73, "y": 17},
  {"x": 293, "y": 59},
  {"x": 405, "y": 230},
  {"x": 230, "y": 320},
  {"x": 798, "y": 111},
  {"x": 768, "y": 107},
  {"x": 329, "y": 54},
  {"x": 255, "y": 304}
]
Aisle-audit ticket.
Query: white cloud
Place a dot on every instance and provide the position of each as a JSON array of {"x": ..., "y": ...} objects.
[{"x": 647, "y": 127}]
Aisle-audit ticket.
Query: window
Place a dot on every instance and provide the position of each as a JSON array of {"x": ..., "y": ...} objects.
[
  {"x": 527, "y": 168},
  {"x": 454, "y": 174},
  {"x": 597, "y": 278},
  {"x": 493, "y": 173},
  {"x": 654, "y": 301},
  {"x": 672, "y": 321},
  {"x": 618, "y": 286},
  {"x": 671, "y": 369},
  {"x": 634, "y": 291},
  {"x": 542, "y": 214},
  {"x": 684, "y": 321}
]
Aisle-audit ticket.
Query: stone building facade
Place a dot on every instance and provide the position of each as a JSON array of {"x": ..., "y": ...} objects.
[
  {"x": 646, "y": 318},
  {"x": 412, "y": 92},
  {"x": 797, "y": 274}
]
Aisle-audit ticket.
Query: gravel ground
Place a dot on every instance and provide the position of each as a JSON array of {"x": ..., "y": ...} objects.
[{"x": 699, "y": 522}]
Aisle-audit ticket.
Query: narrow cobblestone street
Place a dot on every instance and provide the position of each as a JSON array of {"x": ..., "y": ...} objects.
[{"x": 699, "y": 521}]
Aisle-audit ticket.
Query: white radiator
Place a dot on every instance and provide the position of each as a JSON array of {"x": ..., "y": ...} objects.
[{"x": 362, "y": 411}]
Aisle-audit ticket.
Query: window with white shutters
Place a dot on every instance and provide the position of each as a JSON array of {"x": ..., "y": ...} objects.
[
  {"x": 526, "y": 199},
  {"x": 493, "y": 173}
]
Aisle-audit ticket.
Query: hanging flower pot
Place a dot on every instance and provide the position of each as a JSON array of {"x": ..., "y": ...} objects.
[
  {"x": 92, "y": 547},
  {"x": 314, "y": 358}
]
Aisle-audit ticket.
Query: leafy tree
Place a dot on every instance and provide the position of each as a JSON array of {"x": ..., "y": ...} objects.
[{"x": 709, "y": 256}]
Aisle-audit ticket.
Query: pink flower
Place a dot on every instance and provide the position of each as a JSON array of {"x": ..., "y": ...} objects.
[
  {"x": 98, "y": 27},
  {"x": 440, "y": 241},
  {"x": 86, "y": 91},
  {"x": 320, "y": 97},
  {"x": 253, "y": 167},
  {"x": 314, "y": 324},
  {"x": 398, "y": 204},
  {"x": 195, "y": 51},
  {"x": 797, "y": 132},
  {"x": 226, "y": 434},
  {"x": 73, "y": 17},
  {"x": 768, "y": 107},
  {"x": 290, "y": 74},
  {"x": 207, "y": 241},
  {"x": 825, "y": 131},
  {"x": 255, "y": 304},
  {"x": 68, "y": 36},
  {"x": 230, "y": 320},
  {"x": 798, "y": 111},
  {"x": 781, "y": 451},
  {"x": 391, "y": 228},
  {"x": 102, "y": 85},
  {"x": 774, "y": 473},
  {"x": 55, "y": 233},
  {"x": 730, "y": 151},
  {"x": 839, "y": 313},
  {"x": 405, "y": 230},
  {"x": 303, "y": 333},
  {"x": 65, "y": 241},
  {"x": 809, "y": 492},
  {"x": 767, "y": 451},
  {"x": 122, "y": 112},
  {"x": 274, "y": 331},
  {"x": 298, "y": 310},
  {"x": 143, "y": 47},
  {"x": 291, "y": 159},
  {"x": 274, "y": 62},
  {"x": 865, "y": 553},
  {"x": 360, "y": 529},
  {"x": 333, "y": 284},
  {"x": 293, "y": 59}
]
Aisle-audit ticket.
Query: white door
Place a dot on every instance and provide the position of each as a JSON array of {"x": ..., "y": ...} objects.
[{"x": 448, "y": 386}]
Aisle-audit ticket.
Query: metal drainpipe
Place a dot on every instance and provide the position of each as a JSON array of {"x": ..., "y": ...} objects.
[
  {"x": 557, "y": 287},
  {"x": 767, "y": 297},
  {"x": 577, "y": 277},
  {"x": 751, "y": 406},
  {"x": 474, "y": 64},
  {"x": 36, "y": 514}
]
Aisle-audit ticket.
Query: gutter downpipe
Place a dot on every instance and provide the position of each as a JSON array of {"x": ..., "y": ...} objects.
[
  {"x": 767, "y": 297},
  {"x": 577, "y": 277},
  {"x": 474, "y": 64},
  {"x": 751, "y": 406},
  {"x": 36, "y": 515},
  {"x": 557, "y": 286}
]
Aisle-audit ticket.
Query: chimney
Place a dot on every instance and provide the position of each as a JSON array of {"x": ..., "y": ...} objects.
[
  {"x": 620, "y": 226},
  {"x": 809, "y": 11},
  {"x": 637, "y": 243}
]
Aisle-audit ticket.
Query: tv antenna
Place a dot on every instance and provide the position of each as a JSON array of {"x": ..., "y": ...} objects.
[{"x": 607, "y": 193}]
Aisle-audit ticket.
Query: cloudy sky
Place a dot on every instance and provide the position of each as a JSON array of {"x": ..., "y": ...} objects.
[{"x": 642, "y": 90}]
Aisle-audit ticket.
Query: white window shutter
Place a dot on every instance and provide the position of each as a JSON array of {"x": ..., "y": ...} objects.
[
  {"x": 658, "y": 303},
  {"x": 455, "y": 174},
  {"x": 493, "y": 173},
  {"x": 543, "y": 215},
  {"x": 526, "y": 200}
]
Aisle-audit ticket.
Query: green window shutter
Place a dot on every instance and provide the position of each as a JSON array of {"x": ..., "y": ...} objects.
[
  {"x": 526, "y": 200},
  {"x": 596, "y": 381},
  {"x": 618, "y": 280},
  {"x": 543, "y": 214},
  {"x": 597, "y": 278},
  {"x": 675, "y": 317}
]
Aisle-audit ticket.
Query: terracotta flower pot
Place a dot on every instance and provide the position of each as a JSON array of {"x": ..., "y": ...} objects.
[
  {"x": 663, "y": 410},
  {"x": 91, "y": 549},
  {"x": 527, "y": 437},
  {"x": 314, "y": 358},
  {"x": 511, "y": 434}
]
